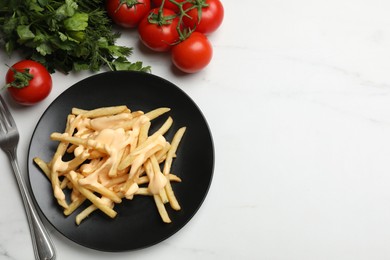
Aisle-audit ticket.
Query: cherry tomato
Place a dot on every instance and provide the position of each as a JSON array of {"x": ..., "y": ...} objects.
[
  {"x": 193, "y": 54},
  {"x": 168, "y": 4},
  {"x": 159, "y": 37},
  {"x": 38, "y": 88},
  {"x": 211, "y": 18},
  {"x": 127, "y": 13}
]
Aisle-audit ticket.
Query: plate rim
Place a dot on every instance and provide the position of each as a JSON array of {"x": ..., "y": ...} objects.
[{"x": 102, "y": 74}]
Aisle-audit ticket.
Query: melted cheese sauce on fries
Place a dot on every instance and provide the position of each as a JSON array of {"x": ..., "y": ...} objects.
[{"x": 113, "y": 158}]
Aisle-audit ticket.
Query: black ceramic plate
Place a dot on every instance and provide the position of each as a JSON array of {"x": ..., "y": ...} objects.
[{"x": 137, "y": 224}]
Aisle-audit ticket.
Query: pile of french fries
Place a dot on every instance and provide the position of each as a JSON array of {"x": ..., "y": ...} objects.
[{"x": 113, "y": 157}]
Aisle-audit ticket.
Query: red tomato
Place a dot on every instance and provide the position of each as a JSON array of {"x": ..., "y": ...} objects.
[
  {"x": 192, "y": 54},
  {"x": 159, "y": 37},
  {"x": 127, "y": 13},
  {"x": 168, "y": 4},
  {"x": 211, "y": 19},
  {"x": 38, "y": 88}
]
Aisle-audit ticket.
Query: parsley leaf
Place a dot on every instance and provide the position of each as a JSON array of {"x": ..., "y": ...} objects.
[{"x": 64, "y": 35}]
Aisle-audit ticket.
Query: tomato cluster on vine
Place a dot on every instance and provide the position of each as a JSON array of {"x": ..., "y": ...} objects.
[{"x": 180, "y": 27}]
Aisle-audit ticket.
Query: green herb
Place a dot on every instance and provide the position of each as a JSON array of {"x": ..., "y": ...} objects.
[{"x": 63, "y": 35}]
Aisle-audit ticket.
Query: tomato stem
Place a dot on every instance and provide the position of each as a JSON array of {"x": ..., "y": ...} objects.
[
  {"x": 129, "y": 4},
  {"x": 160, "y": 18},
  {"x": 160, "y": 10},
  {"x": 21, "y": 79},
  {"x": 198, "y": 4}
]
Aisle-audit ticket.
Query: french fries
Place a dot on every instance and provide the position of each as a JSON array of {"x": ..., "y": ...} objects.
[{"x": 114, "y": 158}]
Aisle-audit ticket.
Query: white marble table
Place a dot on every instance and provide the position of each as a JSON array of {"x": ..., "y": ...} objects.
[{"x": 298, "y": 100}]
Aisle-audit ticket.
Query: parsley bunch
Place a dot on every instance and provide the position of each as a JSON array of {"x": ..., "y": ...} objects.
[{"x": 63, "y": 35}]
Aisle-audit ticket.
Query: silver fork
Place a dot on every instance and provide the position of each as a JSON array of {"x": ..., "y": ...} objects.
[{"x": 9, "y": 138}]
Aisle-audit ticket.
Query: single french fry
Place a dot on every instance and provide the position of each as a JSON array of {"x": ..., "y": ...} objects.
[
  {"x": 137, "y": 113},
  {"x": 171, "y": 196},
  {"x": 79, "y": 141},
  {"x": 163, "y": 195},
  {"x": 173, "y": 177},
  {"x": 161, "y": 209},
  {"x": 167, "y": 167},
  {"x": 85, "y": 213},
  {"x": 157, "y": 112},
  {"x": 98, "y": 112},
  {"x": 58, "y": 193},
  {"x": 78, "y": 111},
  {"x": 172, "y": 150},
  {"x": 143, "y": 191},
  {"x": 165, "y": 127},
  {"x": 43, "y": 166},
  {"x": 74, "y": 205}
]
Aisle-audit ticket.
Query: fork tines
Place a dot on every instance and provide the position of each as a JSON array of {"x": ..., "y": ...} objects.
[{"x": 6, "y": 120}]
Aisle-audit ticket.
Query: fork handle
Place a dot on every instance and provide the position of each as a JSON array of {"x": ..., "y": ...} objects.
[{"x": 42, "y": 244}]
